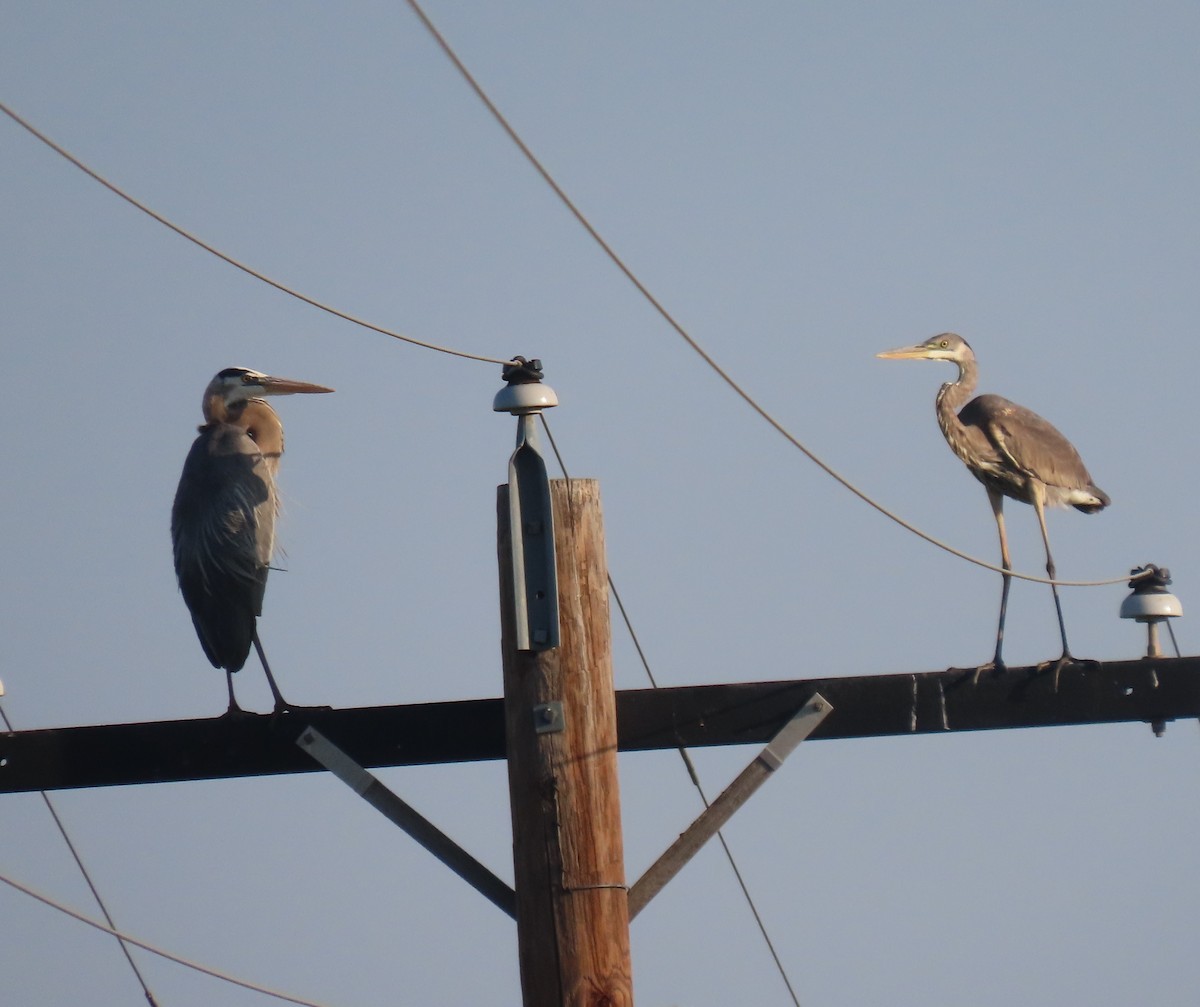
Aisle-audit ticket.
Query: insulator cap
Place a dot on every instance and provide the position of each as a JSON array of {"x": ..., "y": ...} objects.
[
  {"x": 1149, "y": 607},
  {"x": 1150, "y": 600},
  {"x": 522, "y": 399},
  {"x": 524, "y": 392}
]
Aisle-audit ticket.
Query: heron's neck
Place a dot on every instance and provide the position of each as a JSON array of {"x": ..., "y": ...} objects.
[
  {"x": 263, "y": 425},
  {"x": 953, "y": 395},
  {"x": 218, "y": 409},
  {"x": 215, "y": 408},
  {"x": 254, "y": 416}
]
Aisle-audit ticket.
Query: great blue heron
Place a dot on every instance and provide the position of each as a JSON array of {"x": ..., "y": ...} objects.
[
  {"x": 1013, "y": 452},
  {"x": 223, "y": 519}
]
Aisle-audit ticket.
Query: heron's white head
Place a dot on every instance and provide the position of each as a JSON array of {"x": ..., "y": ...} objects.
[{"x": 235, "y": 385}]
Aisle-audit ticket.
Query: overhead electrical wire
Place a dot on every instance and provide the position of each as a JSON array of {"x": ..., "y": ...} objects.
[
  {"x": 184, "y": 233},
  {"x": 609, "y": 251},
  {"x": 689, "y": 765},
  {"x": 110, "y": 927},
  {"x": 87, "y": 877},
  {"x": 682, "y": 332},
  {"x": 145, "y": 946},
  {"x": 672, "y": 322}
]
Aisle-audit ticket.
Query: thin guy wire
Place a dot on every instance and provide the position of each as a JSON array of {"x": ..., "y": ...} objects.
[
  {"x": 183, "y": 233},
  {"x": 246, "y": 984},
  {"x": 1174, "y": 642},
  {"x": 88, "y": 878},
  {"x": 670, "y": 319},
  {"x": 685, "y": 755}
]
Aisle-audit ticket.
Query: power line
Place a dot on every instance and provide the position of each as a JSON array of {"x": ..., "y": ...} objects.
[
  {"x": 613, "y": 256},
  {"x": 689, "y": 765},
  {"x": 123, "y": 938},
  {"x": 225, "y": 257},
  {"x": 196, "y": 966},
  {"x": 675, "y": 324},
  {"x": 87, "y": 877}
]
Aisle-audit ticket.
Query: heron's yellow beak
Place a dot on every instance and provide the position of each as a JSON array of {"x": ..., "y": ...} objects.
[
  {"x": 286, "y": 386},
  {"x": 919, "y": 352}
]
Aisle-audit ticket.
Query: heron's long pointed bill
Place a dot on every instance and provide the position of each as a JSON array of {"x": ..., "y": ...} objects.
[
  {"x": 919, "y": 352},
  {"x": 286, "y": 386}
]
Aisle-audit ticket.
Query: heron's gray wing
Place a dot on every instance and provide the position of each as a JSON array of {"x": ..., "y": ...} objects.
[
  {"x": 1031, "y": 444},
  {"x": 222, "y": 526}
]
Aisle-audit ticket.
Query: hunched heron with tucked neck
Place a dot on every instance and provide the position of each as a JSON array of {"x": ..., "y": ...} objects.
[
  {"x": 1014, "y": 453},
  {"x": 223, "y": 518}
]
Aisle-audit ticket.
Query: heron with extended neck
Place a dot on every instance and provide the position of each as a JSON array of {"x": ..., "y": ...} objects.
[
  {"x": 223, "y": 519},
  {"x": 1014, "y": 453}
]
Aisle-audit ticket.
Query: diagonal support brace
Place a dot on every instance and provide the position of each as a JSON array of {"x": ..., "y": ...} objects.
[
  {"x": 372, "y": 790},
  {"x": 714, "y": 817}
]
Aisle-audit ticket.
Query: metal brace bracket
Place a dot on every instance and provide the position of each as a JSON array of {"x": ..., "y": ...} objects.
[
  {"x": 803, "y": 722},
  {"x": 373, "y": 791}
]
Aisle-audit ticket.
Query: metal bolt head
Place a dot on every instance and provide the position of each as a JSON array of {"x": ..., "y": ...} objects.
[{"x": 548, "y": 717}]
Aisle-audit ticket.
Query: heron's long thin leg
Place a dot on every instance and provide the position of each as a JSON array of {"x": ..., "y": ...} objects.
[
  {"x": 233, "y": 704},
  {"x": 280, "y": 702},
  {"x": 996, "y": 664},
  {"x": 997, "y": 502},
  {"x": 1039, "y": 505}
]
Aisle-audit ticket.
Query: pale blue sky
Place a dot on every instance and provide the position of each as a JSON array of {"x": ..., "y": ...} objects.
[{"x": 802, "y": 185}]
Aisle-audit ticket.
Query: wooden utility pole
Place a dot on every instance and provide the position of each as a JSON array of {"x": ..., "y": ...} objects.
[{"x": 572, "y": 902}]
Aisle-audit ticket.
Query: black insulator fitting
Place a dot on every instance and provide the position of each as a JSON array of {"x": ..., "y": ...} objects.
[
  {"x": 522, "y": 371},
  {"x": 1150, "y": 579}
]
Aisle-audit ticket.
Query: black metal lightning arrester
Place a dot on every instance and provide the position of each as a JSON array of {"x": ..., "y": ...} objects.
[{"x": 535, "y": 578}]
